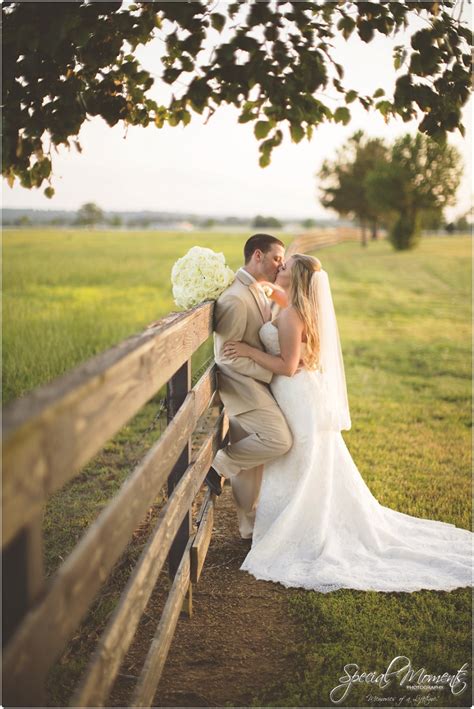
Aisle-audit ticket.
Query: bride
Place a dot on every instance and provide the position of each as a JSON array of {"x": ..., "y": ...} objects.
[{"x": 317, "y": 525}]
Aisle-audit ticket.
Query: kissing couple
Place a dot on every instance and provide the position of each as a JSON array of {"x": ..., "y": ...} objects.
[{"x": 312, "y": 520}]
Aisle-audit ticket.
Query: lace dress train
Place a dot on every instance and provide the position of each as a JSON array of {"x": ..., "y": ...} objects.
[{"x": 319, "y": 527}]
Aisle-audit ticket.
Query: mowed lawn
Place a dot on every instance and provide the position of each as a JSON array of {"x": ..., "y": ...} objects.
[
  {"x": 68, "y": 295},
  {"x": 405, "y": 325}
]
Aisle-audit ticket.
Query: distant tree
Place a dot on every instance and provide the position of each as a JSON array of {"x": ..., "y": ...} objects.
[
  {"x": 343, "y": 181},
  {"x": 66, "y": 61},
  {"x": 115, "y": 220},
  {"x": 209, "y": 223},
  {"x": 308, "y": 223},
  {"x": 141, "y": 222},
  {"x": 431, "y": 218},
  {"x": 24, "y": 220},
  {"x": 462, "y": 223},
  {"x": 261, "y": 222},
  {"x": 89, "y": 214},
  {"x": 233, "y": 221},
  {"x": 422, "y": 175}
]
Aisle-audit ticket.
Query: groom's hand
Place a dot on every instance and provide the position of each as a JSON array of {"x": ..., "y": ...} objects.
[{"x": 234, "y": 349}]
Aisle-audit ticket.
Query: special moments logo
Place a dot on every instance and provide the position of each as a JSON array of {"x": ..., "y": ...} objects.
[{"x": 400, "y": 668}]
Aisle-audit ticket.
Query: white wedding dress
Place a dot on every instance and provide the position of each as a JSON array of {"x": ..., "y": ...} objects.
[{"x": 319, "y": 527}]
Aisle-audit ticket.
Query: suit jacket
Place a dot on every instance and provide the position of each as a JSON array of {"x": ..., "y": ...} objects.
[{"x": 238, "y": 315}]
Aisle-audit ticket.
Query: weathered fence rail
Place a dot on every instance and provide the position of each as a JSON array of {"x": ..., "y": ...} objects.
[
  {"x": 318, "y": 239},
  {"x": 48, "y": 436}
]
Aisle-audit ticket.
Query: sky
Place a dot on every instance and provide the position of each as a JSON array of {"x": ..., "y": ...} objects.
[{"x": 213, "y": 169}]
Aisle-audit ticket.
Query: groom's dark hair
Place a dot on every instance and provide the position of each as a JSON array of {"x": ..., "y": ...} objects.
[{"x": 260, "y": 241}]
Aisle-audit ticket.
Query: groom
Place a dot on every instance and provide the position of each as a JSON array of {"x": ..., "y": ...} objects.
[{"x": 258, "y": 431}]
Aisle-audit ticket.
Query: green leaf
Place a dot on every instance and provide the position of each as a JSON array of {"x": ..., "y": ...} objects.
[
  {"x": 261, "y": 129},
  {"x": 342, "y": 115},
  {"x": 217, "y": 21},
  {"x": 366, "y": 31},
  {"x": 277, "y": 138},
  {"x": 271, "y": 33},
  {"x": 399, "y": 57},
  {"x": 245, "y": 118},
  {"x": 49, "y": 192},
  {"x": 185, "y": 117},
  {"x": 351, "y": 96},
  {"x": 170, "y": 75},
  {"x": 187, "y": 64},
  {"x": 416, "y": 64},
  {"x": 296, "y": 132},
  {"x": 346, "y": 25},
  {"x": 421, "y": 40},
  {"x": 384, "y": 107},
  {"x": 378, "y": 93},
  {"x": 233, "y": 8},
  {"x": 45, "y": 167},
  {"x": 265, "y": 150},
  {"x": 247, "y": 43}
]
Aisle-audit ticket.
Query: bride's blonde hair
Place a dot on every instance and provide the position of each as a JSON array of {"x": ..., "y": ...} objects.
[{"x": 303, "y": 299}]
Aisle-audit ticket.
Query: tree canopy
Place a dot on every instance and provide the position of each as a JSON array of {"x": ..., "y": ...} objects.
[
  {"x": 342, "y": 184},
  {"x": 273, "y": 61},
  {"x": 406, "y": 184},
  {"x": 421, "y": 177},
  {"x": 89, "y": 214}
]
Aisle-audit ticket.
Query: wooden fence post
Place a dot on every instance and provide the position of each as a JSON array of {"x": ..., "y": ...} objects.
[
  {"x": 23, "y": 582},
  {"x": 177, "y": 389}
]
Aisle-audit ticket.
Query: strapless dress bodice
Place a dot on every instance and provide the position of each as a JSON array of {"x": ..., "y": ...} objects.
[{"x": 269, "y": 336}]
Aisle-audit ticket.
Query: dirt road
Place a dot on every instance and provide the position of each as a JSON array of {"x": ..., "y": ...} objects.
[{"x": 239, "y": 643}]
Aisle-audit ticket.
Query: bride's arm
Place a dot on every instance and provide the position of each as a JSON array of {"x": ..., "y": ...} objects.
[{"x": 290, "y": 329}]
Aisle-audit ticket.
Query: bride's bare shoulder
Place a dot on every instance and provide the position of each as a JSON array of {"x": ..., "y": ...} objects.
[{"x": 289, "y": 317}]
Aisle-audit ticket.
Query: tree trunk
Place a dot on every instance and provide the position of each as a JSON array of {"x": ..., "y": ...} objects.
[
  {"x": 363, "y": 241},
  {"x": 373, "y": 229}
]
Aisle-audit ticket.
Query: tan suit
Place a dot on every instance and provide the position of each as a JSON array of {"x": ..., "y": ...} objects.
[{"x": 258, "y": 430}]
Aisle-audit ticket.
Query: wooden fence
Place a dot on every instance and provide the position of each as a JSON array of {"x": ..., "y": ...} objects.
[
  {"x": 318, "y": 239},
  {"x": 48, "y": 436}
]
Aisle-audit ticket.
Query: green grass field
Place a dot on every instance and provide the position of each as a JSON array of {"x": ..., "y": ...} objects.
[
  {"x": 68, "y": 295},
  {"x": 405, "y": 325},
  {"x": 404, "y": 320}
]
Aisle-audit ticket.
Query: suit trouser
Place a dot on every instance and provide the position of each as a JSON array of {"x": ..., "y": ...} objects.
[{"x": 256, "y": 437}]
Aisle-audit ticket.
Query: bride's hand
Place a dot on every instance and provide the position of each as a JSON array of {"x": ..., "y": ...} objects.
[{"x": 236, "y": 349}]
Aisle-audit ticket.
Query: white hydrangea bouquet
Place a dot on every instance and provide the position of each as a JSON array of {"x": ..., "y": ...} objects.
[{"x": 199, "y": 275}]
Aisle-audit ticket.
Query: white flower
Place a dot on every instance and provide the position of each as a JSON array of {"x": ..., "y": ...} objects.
[
  {"x": 199, "y": 275},
  {"x": 267, "y": 290}
]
